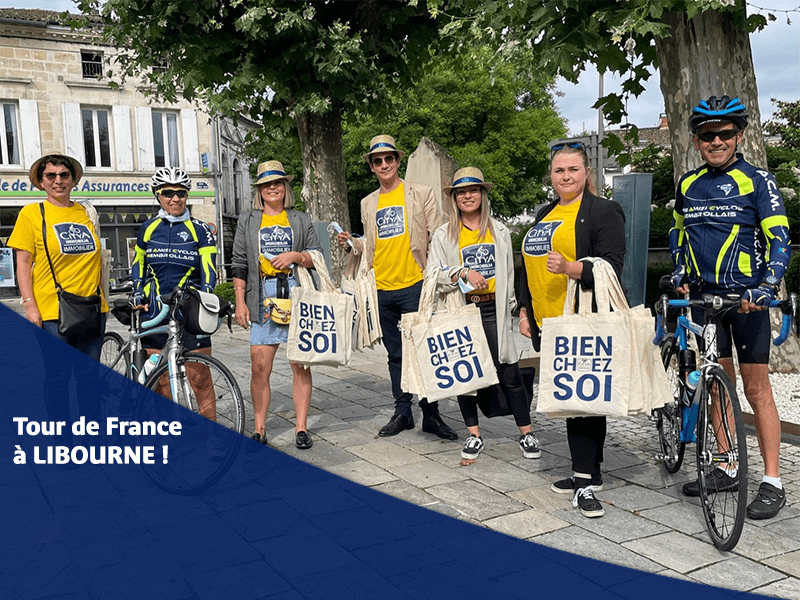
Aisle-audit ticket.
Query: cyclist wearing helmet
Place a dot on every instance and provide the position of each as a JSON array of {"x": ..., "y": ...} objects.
[
  {"x": 731, "y": 235},
  {"x": 172, "y": 248}
]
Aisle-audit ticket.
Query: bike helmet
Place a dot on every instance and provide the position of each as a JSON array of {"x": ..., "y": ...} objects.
[
  {"x": 170, "y": 176},
  {"x": 718, "y": 109}
]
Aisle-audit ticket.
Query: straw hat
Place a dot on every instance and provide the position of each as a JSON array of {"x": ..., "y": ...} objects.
[
  {"x": 76, "y": 166},
  {"x": 270, "y": 171},
  {"x": 382, "y": 143},
  {"x": 467, "y": 177}
]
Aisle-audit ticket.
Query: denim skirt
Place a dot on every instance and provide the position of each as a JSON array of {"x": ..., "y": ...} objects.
[{"x": 265, "y": 332}]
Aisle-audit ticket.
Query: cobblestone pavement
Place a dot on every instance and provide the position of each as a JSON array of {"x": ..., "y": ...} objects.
[{"x": 648, "y": 524}]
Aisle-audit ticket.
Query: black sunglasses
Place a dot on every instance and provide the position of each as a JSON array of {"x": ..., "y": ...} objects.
[
  {"x": 170, "y": 193},
  {"x": 724, "y": 135},
  {"x": 556, "y": 147},
  {"x": 62, "y": 175}
]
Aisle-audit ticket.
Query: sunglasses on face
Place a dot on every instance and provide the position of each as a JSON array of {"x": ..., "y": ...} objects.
[
  {"x": 61, "y": 175},
  {"x": 724, "y": 135},
  {"x": 558, "y": 147},
  {"x": 170, "y": 193},
  {"x": 390, "y": 160}
]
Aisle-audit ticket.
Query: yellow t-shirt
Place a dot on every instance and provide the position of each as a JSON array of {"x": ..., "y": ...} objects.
[
  {"x": 479, "y": 255},
  {"x": 274, "y": 236},
  {"x": 395, "y": 267},
  {"x": 555, "y": 232},
  {"x": 74, "y": 249}
]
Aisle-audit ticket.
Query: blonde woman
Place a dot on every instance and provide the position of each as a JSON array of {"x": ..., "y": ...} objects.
[{"x": 269, "y": 239}]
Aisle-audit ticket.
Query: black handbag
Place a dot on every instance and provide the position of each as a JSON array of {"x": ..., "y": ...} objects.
[{"x": 78, "y": 316}]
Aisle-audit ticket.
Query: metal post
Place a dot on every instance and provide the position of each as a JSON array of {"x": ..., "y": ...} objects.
[
  {"x": 217, "y": 200},
  {"x": 600, "y": 177}
]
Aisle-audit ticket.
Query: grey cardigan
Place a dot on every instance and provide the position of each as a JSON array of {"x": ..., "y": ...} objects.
[{"x": 244, "y": 263}]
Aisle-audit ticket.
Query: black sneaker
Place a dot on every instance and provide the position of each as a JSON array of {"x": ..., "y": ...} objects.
[
  {"x": 718, "y": 481},
  {"x": 473, "y": 447},
  {"x": 768, "y": 503},
  {"x": 567, "y": 486},
  {"x": 589, "y": 505},
  {"x": 529, "y": 445}
]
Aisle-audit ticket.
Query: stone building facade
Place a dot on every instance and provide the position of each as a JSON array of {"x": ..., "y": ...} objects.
[{"x": 51, "y": 100}]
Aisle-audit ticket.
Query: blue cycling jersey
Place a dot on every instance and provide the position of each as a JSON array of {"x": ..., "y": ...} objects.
[
  {"x": 167, "y": 255},
  {"x": 730, "y": 229}
]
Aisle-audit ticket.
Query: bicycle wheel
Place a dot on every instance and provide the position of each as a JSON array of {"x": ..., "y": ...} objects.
[
  {"x": 668, "y": 418},
  {"x": 109, "y": 351},
  {"x": 721, "y": 443},
  {"x": 205, "y": 449}
]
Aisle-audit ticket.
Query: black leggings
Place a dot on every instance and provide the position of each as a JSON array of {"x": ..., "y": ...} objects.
[{"x": 509, "y": 375}]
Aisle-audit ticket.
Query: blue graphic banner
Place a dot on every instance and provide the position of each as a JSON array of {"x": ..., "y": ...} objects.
[{"x": 117, "y": 525}]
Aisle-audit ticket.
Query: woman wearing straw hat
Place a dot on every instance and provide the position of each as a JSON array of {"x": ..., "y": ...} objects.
[
  {"x": 478, "y": 251},
  {"x": 70, "y": 257},
  {"x": 576, "y": 224},
  {"x": 73, "y": 246},
  {"x": 269, "y": 239}
]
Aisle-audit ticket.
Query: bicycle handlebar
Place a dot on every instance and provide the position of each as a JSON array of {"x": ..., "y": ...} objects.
[{"x": 716, "y": 303}]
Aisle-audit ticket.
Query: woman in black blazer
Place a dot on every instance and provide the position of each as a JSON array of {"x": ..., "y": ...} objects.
[{"x": 575, "y": 225}]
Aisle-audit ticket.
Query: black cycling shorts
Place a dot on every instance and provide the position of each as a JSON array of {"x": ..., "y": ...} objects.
[{"x": 750, "y": 333}]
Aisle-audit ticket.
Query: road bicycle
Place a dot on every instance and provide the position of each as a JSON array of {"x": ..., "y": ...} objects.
[
  {"x": 196, "y": 382},
  {"x": 706, "y": 410}
]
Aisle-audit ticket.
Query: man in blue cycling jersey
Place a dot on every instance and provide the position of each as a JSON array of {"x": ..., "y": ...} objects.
[{"x": 731, "y": 236}]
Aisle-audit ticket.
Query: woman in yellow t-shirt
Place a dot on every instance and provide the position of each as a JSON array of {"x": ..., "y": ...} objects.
[
  {"x": 72, "y": 242},
  {"x": 74, "y": 247},
  {"x": 477, "y": 249},
  {"x": 269, "y": 239},
  {"x": 576, "y": 224}
]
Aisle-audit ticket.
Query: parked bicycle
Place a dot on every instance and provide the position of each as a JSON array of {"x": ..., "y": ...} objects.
[
  {"x": 706, "y": 410},
  {"x": 214, "y": 397}
]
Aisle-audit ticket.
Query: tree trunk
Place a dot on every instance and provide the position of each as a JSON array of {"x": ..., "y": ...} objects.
[
  {"x": 324, "y": 185},
  {"x": 705, "y": 56}
]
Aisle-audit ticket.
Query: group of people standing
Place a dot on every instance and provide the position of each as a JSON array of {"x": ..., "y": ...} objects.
[{"x": 744, "y": 251}]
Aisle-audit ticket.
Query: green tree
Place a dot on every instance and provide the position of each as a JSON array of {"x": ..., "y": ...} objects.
[
  {"x": 286, "y": 62},
  {"x": 786, "y": 123},
  {"x": 652, "y": 159},
  {"x": 483, "y": 113},
  {"x": 701, "y": 47}
]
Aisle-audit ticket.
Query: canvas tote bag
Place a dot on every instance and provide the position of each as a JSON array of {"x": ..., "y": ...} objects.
[
  {"x": 586, "y": 358},
  {"x": 320, "y": 332},
  {"x": 359, "y": 282},
  {"x": 450, "y": 347}
]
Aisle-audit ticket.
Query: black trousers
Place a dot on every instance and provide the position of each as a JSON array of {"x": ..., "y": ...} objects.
[
  {"x": 392, "y": 305},
  {"x": 508, "y": 374}
]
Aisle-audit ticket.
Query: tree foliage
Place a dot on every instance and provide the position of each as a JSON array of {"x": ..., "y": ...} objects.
[
  {"x": 483, "y": 113},
  {"x": 652, "y": 159},
  {"x": 269, "y": 59},
  {"x": 786, "y": 123}
]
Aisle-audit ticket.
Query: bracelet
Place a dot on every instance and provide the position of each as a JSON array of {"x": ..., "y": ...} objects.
[
  {"x": 238, "y": 288},
  {"x": 21, "y": 301},
  {"x": 464, "y": 274},
  {"x": 523, "y": 319}
]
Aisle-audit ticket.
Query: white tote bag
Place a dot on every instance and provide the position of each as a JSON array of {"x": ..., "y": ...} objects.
[
  {"x": 450, "y": 347},
  {"x": 320, "y": 332},
  {"x": 359, "y": 282},
  {"x": 586, "y": 358}
]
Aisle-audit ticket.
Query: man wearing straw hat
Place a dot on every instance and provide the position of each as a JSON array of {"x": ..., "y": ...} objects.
[{"x": 398, "y": 219}]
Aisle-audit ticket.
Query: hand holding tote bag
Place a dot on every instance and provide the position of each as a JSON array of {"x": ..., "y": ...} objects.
[
  {"x": 320, "y": 332},
  {"x": 450, "y": 347},
  {"x": 586, "y": 357}
]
